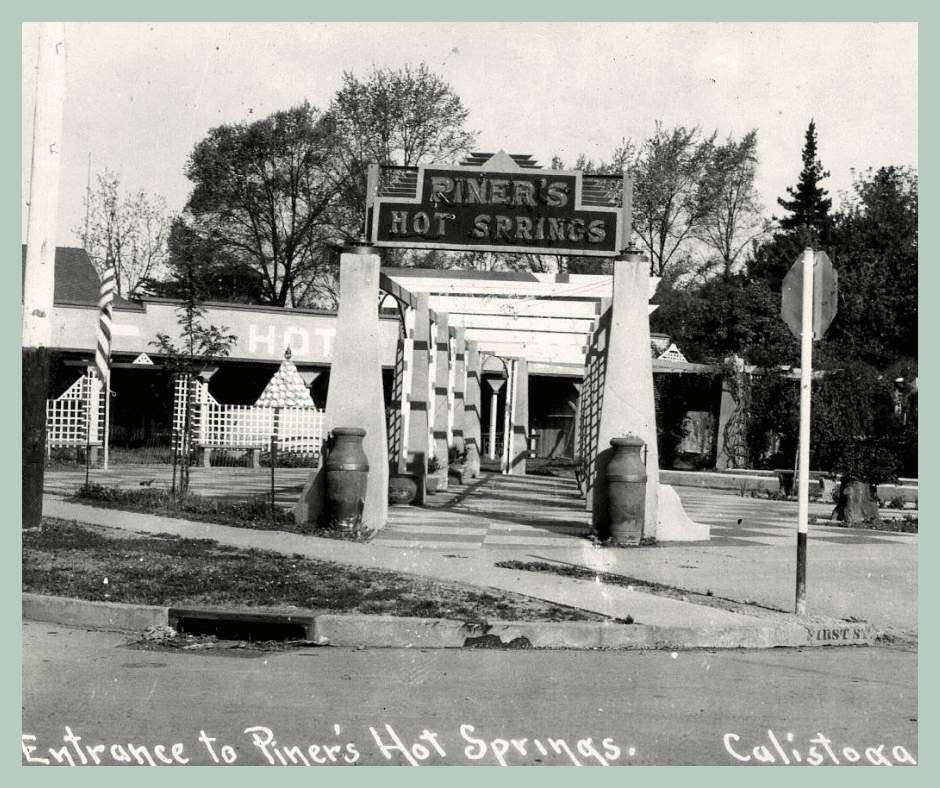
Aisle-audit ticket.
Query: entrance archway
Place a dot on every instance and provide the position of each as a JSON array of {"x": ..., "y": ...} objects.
[{"x": 594, "y": 328}]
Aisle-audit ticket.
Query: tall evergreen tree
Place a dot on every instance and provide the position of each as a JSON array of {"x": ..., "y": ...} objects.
[{"x": 809, "y": 205}]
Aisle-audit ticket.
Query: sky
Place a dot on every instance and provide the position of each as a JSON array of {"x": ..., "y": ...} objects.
[{"x": 140, "y": 96}]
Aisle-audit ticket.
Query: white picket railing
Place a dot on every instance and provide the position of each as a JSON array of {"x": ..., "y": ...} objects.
[{"x": 246, "y": 426}]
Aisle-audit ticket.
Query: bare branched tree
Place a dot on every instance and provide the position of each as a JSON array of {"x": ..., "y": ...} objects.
[{"x": 126, "y": 231}]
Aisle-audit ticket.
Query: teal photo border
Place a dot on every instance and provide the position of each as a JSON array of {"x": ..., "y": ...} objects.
[{"x": 486, "y": 11}]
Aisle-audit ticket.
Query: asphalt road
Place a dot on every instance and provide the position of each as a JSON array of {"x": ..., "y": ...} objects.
[{"x": 87, "y": 698}]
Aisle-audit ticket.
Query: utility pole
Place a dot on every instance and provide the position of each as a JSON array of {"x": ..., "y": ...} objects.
[{"x": 39, "y": 276}]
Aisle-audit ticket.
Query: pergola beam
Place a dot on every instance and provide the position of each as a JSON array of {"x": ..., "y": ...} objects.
[
  {"x": 394, "y": 289},
  {"x": 554, "y": 325},
  {"x": 583, "y": 308}
]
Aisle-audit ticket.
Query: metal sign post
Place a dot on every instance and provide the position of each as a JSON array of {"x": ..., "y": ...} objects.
[
  {"x": 809, "y": 304},
  {"x": 806, "y": 379}
]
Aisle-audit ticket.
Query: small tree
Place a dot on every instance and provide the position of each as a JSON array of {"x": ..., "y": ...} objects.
[{"x": 200, "y": 345}]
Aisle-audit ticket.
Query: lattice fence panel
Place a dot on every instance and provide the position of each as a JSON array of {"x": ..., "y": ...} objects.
[
  {"x": 298, "y": 430},
  {"x": 67, "y": 422},
  {"x": 236, "y": 426}
]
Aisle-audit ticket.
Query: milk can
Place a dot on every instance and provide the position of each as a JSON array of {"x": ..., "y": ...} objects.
[
  {"x": 347, "y": 474},
  {"x": 626, "y": 490}
]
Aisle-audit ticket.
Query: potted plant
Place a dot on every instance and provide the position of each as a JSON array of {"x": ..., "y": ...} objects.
[
  {"x": 862, "y": 467},
  {"x": 402, "y": 489},
  {"x": 433, "y": 479},
  {"x": 457, "y": 464}
]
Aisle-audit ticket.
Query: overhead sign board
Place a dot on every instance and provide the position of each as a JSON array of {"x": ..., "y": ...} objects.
[{"x": 518, "y": 210}]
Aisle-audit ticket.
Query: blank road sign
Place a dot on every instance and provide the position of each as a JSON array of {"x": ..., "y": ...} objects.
[{"x": 825, "y": 295}]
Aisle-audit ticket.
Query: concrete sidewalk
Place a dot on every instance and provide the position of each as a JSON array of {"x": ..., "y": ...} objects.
[{"x": 752, "y": 574}]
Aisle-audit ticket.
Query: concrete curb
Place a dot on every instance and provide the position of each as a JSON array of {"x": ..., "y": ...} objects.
[
  {"x": 399, "y": 632},
  {"x": 97, "y": 615}
]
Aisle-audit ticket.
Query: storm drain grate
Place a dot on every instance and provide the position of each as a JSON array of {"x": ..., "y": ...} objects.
[{"x": 251, "y": 627}]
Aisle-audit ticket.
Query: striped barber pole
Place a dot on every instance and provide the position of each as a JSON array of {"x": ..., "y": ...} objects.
[{"x": 103, "y": 350}]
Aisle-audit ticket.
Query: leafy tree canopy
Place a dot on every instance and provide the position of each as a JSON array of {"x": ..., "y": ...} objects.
[
  {"x": 874, "y": 249},
  {"x": 263, "y": 194},
  {"x": 404, "y": 117},
  {"x": 198, "y": 265}
]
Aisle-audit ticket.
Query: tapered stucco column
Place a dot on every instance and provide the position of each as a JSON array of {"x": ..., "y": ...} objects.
[
  {"x": 407, "y": 381},
  {"x": 495, "y": 385},
  {"x": 579, "y": 386},
  {"x": 472, "y": 426},
  {"x": 355, "y": 397},
  {"x": 460, "y": 381},
  {"x": 441, "y": 405},
  {"x": 519, "y": 450},
  {"x": 420, "y": 386},
  {"x": 627, "y": 405}
]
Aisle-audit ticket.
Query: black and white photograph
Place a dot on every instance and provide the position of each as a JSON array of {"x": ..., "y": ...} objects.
[{"x": 469, "y": 393}]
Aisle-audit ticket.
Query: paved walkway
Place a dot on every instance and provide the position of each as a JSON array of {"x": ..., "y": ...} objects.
[
  {"x": 495, "y": 511},
  {"x": 464, "y": 532}
]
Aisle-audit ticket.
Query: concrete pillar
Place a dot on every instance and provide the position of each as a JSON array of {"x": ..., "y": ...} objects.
[
  {"x": 472, "y": 393},
  {"x": 356, "y": 397},
  {"x": 418, "y": 406},
  {"x": 460, "y": 383},
  {"x": 732, "y": 389},
  {"x": 442, "y": 379},
  {"x": 395, "y": 405},
  {"x": 627, "y": 404},
  {"x": 578, "y": 385},
  {"x": 432, "y": 380},
  {"x": 520, "y": 419},
  {"x": 495, "y": 385},
  {"x": 406, "y": 388},
  {"x": 505, "y": 459}
]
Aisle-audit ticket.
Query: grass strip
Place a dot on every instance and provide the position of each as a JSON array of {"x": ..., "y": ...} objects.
[
  {"x": 65, "y": 558},
  {"x": 255, "y": 513}
]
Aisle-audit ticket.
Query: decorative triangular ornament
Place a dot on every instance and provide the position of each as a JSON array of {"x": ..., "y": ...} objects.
[
  {"x": 286, "y": 389},
  {"x": 500, "y": 162},
  {"x": 672, "y": 353},
  {"x": 143, "y": 358}
]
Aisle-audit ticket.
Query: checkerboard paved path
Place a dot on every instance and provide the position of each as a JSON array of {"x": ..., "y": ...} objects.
[
  {"x": 493, "y": 511},
  {"x": 751, "y": 522}
]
